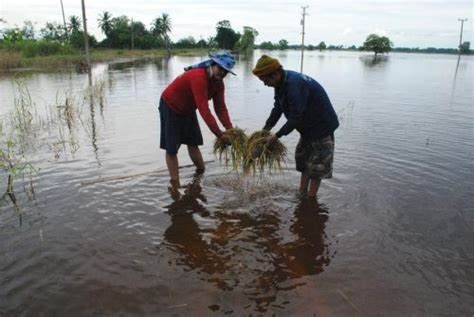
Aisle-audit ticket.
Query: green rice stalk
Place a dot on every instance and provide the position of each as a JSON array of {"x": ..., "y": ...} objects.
[
  {"x": 236, "y": 151},
  {"x": 259, "y": 156}
]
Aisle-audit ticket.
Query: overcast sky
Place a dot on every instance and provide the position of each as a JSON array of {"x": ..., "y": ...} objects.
[{"x": 412, "y": 23}]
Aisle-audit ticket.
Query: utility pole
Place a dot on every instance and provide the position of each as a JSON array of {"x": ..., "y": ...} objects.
[
  {"x": 86, "y": 41},
  {"x": 64, "y": 18},
  {"x": 302, "y": 35},
  {"x": 460, "y": 35}
]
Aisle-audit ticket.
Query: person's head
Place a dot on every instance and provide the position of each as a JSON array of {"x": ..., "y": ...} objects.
[
  {"x": 222, "y": 63},
  {"x": 268, "y": 70}
]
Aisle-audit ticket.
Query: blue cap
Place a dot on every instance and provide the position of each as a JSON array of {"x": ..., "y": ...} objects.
[{"x": 225, "y": 60}]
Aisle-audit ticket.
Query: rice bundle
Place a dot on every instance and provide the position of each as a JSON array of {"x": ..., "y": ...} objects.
[
  {"x": 259, "y": 155},
  {"x": 236, "y": 150}
]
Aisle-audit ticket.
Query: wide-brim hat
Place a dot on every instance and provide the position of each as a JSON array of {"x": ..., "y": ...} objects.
[{"x": 225, "y": 60}]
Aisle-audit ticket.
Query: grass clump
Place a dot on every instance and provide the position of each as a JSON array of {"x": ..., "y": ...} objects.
[
  {"x": 236, "y": 151},
  {"x": 259, "y": 155}
]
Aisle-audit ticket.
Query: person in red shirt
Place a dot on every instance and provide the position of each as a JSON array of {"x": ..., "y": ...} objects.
[{"x": 178, "y": 103}]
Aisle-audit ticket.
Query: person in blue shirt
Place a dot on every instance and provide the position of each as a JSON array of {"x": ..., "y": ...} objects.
[{"x": 307, "y": 108}]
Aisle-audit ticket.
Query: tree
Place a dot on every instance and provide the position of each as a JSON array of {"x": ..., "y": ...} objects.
[
  {"x": 377, "y": 44},
  {"x": 267, "y": 45},
  {"x": 464, "y": 48},
  {"x": 29, "y": 30},
  {"x": 201, "y": 43},
  {"x": 212, "y": 43},
  {"x": 226, "y": 37},
  {"x": 161, "y": 26},
  {"x": 321, "y": 46},
  {"x": 105, "y": 25},
  {"x": 54, "y": 32},
  {"x": 76, "y": 35},
  {"x": 187, "y": 42},
  {"x": 74, "y": 23},
  {"x": 283, "y": 44},
  {"x": 121, "y": 32},
  {"x": 247, "y": 40},
  {"x": 14, "y": 35}
]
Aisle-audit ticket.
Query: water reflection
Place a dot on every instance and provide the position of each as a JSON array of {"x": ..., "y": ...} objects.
[
  {"x": 163, "y": 68},
  {"x": 247, "y": 252},
  {"x": 184, "y": 235},
  {"x": 307, "y": 254},
  {"x": 371, "y": 61}
]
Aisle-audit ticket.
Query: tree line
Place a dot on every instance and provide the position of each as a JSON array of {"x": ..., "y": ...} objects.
[{"x": 122, "y": 32}]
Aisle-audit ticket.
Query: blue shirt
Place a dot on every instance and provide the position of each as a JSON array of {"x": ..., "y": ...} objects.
[{"x": 306, "y": 106}]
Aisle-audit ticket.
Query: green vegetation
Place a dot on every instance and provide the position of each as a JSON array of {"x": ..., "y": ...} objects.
[
  {"x": 56, "y": 46},
  {"x": 226, "y": 37},
  {"x": 321, "y": 46},
  {"x": 464, "y": 48},
  {"x": 16, "y": 132},
  {"x": 28, "y": 128},
  {"x": 377, "y": 44},
  {"x": 247, "y": 40},
  {"x": 59, "y": 46},
  {"x": 252, "y": 153},
  {"x": 259, "y": 155},
  {"x": 236, "y": 151}
]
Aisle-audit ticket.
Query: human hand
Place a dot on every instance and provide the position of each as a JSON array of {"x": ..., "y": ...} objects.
[
  {"x": 225, "y": 139},
  {"x": 270, "y": 140}
]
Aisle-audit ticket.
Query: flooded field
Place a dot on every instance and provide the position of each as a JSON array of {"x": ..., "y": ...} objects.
[{"x": 94, "y": 230}]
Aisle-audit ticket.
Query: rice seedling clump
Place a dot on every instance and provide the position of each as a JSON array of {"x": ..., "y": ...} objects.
[
  {"x": 236, "y": 151},
  {"x": 260, "y": 155}
]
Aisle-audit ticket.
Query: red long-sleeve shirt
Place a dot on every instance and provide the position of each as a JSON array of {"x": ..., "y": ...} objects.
[{"x": 192, "y": 90}]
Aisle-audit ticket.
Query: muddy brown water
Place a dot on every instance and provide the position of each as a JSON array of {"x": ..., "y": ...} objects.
[{"x": 391, "y": 235}]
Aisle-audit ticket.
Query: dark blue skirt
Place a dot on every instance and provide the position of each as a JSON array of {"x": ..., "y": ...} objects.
[{"x": 178, "y": 129}]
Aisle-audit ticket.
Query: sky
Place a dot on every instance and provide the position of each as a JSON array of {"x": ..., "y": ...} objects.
[{"x": 408, "y": 23}]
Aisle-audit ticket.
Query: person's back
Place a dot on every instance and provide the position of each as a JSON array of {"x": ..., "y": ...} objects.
[
  {"x": 319, "y": 118},
  {"x": 307, "y": 108},
  {"x": 183, "y": 94}
]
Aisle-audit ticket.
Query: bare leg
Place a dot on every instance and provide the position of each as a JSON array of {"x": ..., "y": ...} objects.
[
  {"x": 304, "y": 184},
  {"x": 172, "y": 164},
  {"x": 313, "y": 187},
  {"x": 196, "y": 157}
]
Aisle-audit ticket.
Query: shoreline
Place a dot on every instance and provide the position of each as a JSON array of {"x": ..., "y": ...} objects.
[{"x": 13, "y": 62}]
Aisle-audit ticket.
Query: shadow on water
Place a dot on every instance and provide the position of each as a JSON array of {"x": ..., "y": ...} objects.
[{"x": 248, "y": 253}]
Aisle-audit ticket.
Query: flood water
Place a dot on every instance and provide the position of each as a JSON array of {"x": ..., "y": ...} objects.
[{"x": 392, "y": 233}]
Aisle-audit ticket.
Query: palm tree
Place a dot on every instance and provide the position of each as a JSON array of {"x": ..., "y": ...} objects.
[
  {"x": 161, "y": 27},
  {"x": 74, "y": 23},
  {"x": 105, "y": 23}
]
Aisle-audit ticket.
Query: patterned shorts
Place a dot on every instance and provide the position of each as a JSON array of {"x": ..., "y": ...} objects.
[{"x": 314, "y": 158}]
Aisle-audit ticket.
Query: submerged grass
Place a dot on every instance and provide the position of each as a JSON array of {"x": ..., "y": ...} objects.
[{"x": 26, "y": 129}]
